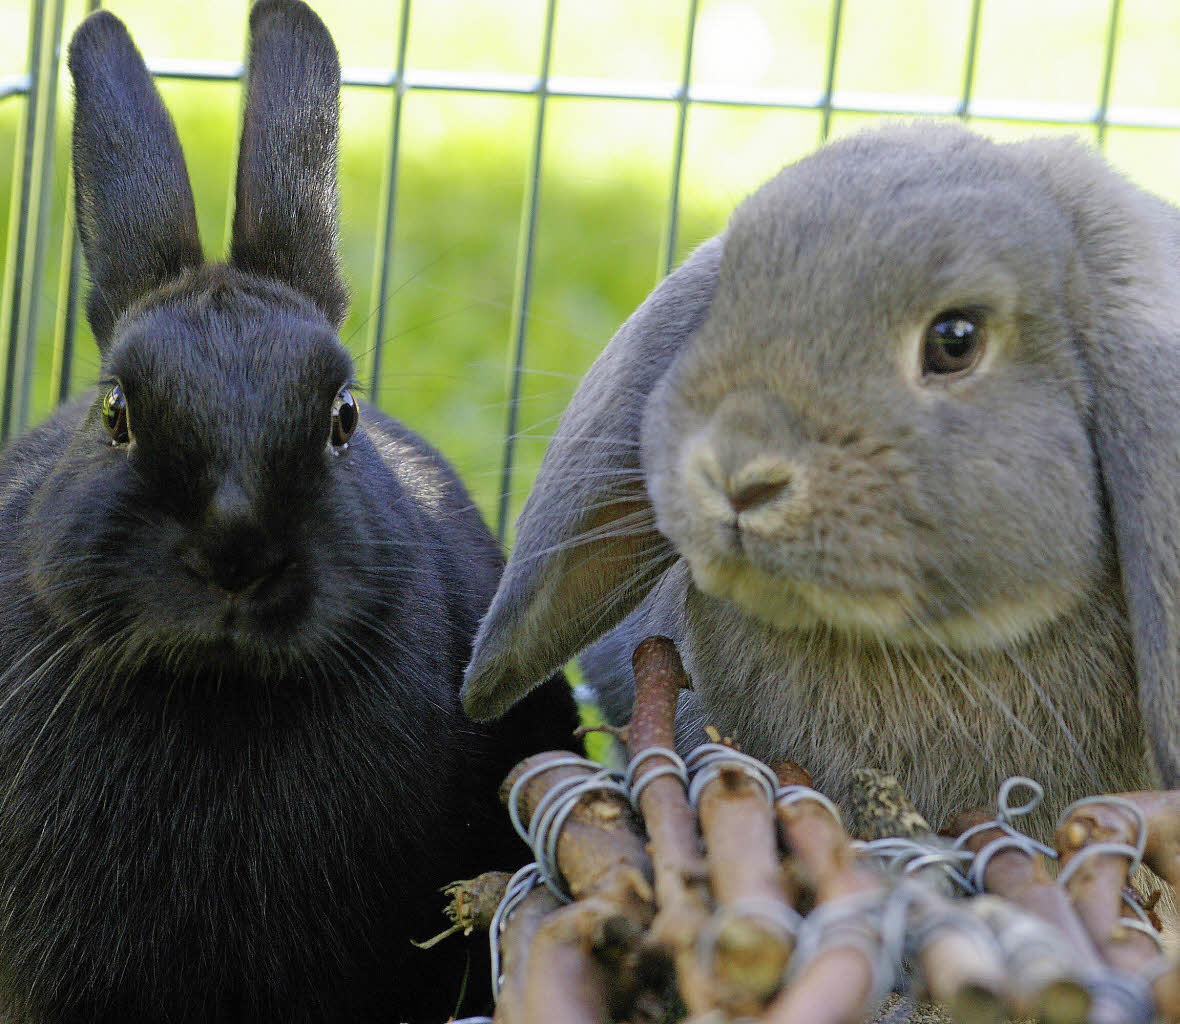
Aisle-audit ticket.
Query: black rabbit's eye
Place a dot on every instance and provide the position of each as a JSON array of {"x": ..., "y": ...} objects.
[
  {"x": 953, "y": 343},
  {"x": 345, "y": 416},
  {"x": 114, "y": 415}
]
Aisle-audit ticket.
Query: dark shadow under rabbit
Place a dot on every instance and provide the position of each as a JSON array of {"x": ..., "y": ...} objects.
[
  {"x": 234, "y": 770},
  {"x": 896, "y": 461}
]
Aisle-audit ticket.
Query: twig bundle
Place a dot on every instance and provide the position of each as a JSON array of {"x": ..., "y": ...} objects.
[{"x": 720, "y": 890}]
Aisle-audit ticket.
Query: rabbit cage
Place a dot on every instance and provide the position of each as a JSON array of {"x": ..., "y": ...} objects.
[{"x": 516, "y": 176}]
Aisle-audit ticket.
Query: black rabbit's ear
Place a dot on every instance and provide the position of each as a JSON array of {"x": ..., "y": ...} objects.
[
  {"x": 285, "y": 221},
  {"x": 1126, "y": 311},
  {"x": 135, "y": 206},
  {"x": 587, "y": 548}
]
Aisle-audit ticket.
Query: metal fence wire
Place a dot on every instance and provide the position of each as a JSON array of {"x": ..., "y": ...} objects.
[{"x": 33, "y": 163}]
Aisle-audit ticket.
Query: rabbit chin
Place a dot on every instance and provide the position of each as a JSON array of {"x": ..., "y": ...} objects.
[
  {"x": 896, "y": 615},
  {"x": 238, "y": 636}
]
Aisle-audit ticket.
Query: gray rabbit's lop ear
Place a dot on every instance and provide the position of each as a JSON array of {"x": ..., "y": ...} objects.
[
  {"x": 1126, "y": 308},
  {"x": 135, "y": 207},
  {"x": 286, "y": 214},
  {"x": 587, "y": 549}
]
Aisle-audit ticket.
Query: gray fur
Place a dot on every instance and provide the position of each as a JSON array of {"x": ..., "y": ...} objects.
[{"x": 957, "y": 579}]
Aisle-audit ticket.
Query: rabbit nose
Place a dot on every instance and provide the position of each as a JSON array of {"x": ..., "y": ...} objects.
[
  {"x": 230, "y": 551},
  {"x": 231, "y": 564},
  {"x": 758, "y": 483},
  {"x": 756, "y": 492}
]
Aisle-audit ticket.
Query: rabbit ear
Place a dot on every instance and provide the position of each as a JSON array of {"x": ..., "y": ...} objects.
[
  {"x": 135, "y": 206},
  {"x": 285, "y": 220},
  {"x": 587, "y": 548},
  {"x": 1126, "y": 308}
]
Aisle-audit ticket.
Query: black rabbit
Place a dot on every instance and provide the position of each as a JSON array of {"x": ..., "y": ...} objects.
[{"x": 234, "y": 770}]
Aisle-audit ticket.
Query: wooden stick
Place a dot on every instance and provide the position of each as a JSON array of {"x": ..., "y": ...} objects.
[
  {"x": 520, "y": 929},
  {"x": 1043, "y": 979},
  {"x": 563, "y": 982},
  {"x": 600, "y": 851},
  {"x": 961, "y": 965},
  {"x": 836, "y": 986},
  {"x": 750, "y": 952},
  {"x": 681, "y": 877},
  {"x": 1096, "y": 887},
  {"x": 1023, "y": 878},
  {"x": 1162, "y": 810}
]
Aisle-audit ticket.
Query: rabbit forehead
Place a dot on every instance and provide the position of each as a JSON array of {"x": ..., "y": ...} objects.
[
  {"x": 876, "y": 233},
  {"x": 228, "y": 356}
]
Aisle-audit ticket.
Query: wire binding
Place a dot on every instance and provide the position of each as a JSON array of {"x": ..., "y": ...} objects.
[
  {"x": 905, "y": 855},
  {"x": 707, "y": 760},
  {"x": 797, "y": 793},
  {"x": 858, "y": 921},
  {"x": 1131, "y": 994},
  {"x": 519, "y": 886},
  {"x": 552, "y": 810},
  {"x": 1013, "y": 838},
  {"x": 675, "y": 766}
]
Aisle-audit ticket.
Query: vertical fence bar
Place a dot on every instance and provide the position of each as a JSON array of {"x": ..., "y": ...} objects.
[
  {"x": 41, "y": 200},
  {"x": 388, "y": 212},
  {"x": 67, "y": 305},
  {"x": 970, "y": 60},
  {"x": 1112, "y": 32},
  {"x": 524, "y": 273},
  {"x": 66, "y": 327},
  {"x": 830, "y": 74},
  {"x": 668, "y": 255},
  {"x": 15, "y": 284}
]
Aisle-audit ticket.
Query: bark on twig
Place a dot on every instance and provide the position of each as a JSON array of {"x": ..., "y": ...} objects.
[
  {"x": 472, "y": 904},
  {"x": 600, "y": 851},
  {"x": 1096, "y": 888},
  {"x": 515, "y": 942},
  {"x": 750, "y": 952},
  {"x": 961, "y": 966},
  {"x": 564, "y": 983},
  {"x": 1023, "y": 879},
  {"x": 681, "y": 879},
  {"x": 881, "y": 809},
  {"x": 836, "y": 986}
]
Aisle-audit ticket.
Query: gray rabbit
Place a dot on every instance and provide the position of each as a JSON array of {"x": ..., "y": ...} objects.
[
  {"x": 234, "y": 770},
  {"x": 896, "y": 460}
]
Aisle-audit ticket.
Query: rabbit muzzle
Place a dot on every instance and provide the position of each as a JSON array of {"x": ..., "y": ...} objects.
[{"x": 776, "y": 522}]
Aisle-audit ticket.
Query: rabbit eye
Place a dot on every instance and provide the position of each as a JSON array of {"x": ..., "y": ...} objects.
[
  {"x": 953, "y": 344},
  {"x": 114, "y": 415},
  {"x": 345, "y": 416}
]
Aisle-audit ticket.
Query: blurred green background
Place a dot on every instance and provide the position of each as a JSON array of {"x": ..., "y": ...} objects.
[{"x": 606, "y": 167}]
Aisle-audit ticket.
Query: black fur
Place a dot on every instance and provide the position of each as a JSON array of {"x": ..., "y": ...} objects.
[
  {"x": 135, "y": 206},
  {"x": 233, "y": 767},
  {"x": 286, "y": 215}
]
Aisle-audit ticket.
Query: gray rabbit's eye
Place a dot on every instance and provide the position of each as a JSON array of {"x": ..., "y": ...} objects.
[
  {"x": 953, "y": 343},
  {"x": 114, "y": 415},
  {"x": 345, "y": 416}
]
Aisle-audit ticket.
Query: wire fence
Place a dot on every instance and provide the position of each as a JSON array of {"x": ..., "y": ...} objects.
[{"x": 36, "y": 88}]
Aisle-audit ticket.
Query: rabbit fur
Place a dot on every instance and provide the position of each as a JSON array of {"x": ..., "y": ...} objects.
[
  {"x": 234, "y": 770},
  {"x": 956, "y": 577}
]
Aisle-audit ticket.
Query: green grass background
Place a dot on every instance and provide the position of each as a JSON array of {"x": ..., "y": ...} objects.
[{"x": 606, "y": 167}]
